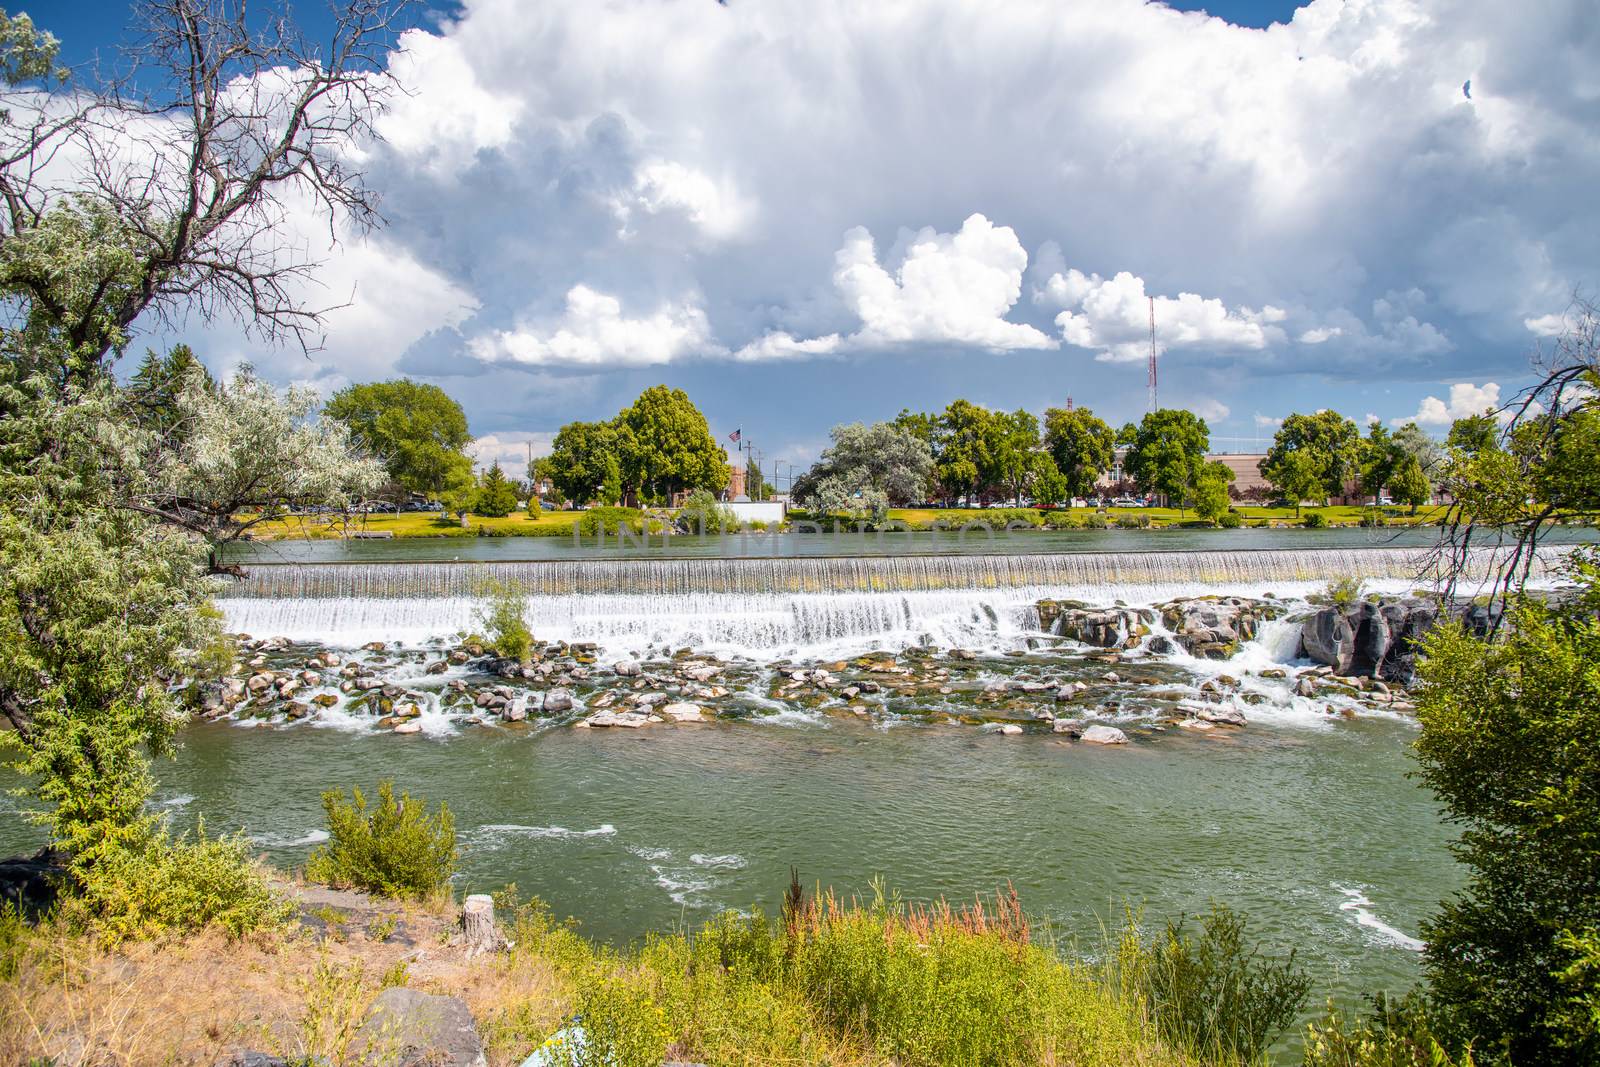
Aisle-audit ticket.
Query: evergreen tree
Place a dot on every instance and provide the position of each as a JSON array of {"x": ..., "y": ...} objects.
[{"x": 497, "y": 496}]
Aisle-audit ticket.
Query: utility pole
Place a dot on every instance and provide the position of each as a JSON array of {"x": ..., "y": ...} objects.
[{"x": 1154, "y": 400}]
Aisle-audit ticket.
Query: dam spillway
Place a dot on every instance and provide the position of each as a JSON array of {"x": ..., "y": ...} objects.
[
  {"x": 1070, "y": 573},
  {"x": 768, "y": 608}
]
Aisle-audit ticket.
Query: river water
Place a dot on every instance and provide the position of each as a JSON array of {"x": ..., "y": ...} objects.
[{"x": 1305, "y": 820}]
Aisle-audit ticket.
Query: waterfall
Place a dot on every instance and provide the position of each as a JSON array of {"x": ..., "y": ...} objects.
[
  {"x": 772, "y": 607},
  {"x": 1094, "y": 572}
]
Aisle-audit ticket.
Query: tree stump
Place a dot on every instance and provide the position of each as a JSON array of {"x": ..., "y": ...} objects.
[{"x": 478, "y": 931}]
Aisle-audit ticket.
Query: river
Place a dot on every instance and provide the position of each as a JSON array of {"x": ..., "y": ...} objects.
[{"x": 1306, "y": 820}]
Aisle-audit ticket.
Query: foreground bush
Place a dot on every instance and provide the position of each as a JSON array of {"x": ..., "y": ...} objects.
[
  {"x": 1397, "y": 1033},
  {"x": 1211, "y": 993},
  {"x": 1510, "y": 743},
  {"x": 396, "y": 849},
  {"x": 841, "y": 983},
  {"x": 172, "y": 885}
]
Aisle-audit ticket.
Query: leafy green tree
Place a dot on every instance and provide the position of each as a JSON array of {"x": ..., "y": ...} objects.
[
  {"x": 418, "y": 431},
  {"x": 1333, "y": 445},
  {"x": 1409, "y": 485},
  {"x": 666, "y": 446},
  {"x": 497, "y": 496},
  {"x": 1380, "y": 457},
  {"x": 1082, "y": 445},
  {"x": 1474, "y": 433},
  {"x": 1046, "y": 483},
  {"x": 1211, "y": 490},
  {"x": 1299, "y": 476},
  {"x": 960, "y": 451},
  {"x": 1010, "y": 445},
  {"x": 867, "y": 469},
  {"x": 584, "y": 464},
  {"x": 1166, "y": 453},
  {"x": 1509, "y": 745}
]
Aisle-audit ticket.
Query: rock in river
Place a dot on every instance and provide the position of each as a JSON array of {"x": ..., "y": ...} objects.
[{"x": 1104, "y": 735}]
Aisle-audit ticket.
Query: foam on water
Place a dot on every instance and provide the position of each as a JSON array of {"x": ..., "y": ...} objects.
[
  {"x": 497, "y": 835},
  {"x": 1358, "y": 906}
]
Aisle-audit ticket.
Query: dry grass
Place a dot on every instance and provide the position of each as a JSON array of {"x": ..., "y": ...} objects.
[{"x": 192, "y": 1001}]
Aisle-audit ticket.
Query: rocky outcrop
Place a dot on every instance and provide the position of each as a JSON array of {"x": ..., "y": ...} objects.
[
  {"x": 1101, "y": 627},
  {"x": 1214, "y": 627},
  {"x": 1372, "y": 639},
  {"x": 409, "y": 1028}
]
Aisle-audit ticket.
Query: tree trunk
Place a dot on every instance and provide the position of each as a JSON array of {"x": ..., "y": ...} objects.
[{"x": 478, "y": 931}]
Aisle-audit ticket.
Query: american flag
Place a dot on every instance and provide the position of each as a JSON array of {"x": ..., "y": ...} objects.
[{"x": 734, "y": 436}]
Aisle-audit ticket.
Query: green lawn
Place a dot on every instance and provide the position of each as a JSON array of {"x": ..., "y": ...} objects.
[
  {"x": 1169, "y": 516},
  {"x": 419, "y": 524},
  {"x": 560, "y": 523}
]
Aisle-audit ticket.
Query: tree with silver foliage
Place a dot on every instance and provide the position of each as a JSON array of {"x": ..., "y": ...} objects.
[
  {"x": 243, "y": 452},
  {"x": 120, "y": 208},
  {"x": 867, "y": 470}
]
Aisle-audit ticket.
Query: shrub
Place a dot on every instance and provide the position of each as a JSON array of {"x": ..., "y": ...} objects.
[
  {"x": 505, "y": 623},
  {"x": 1210, "y": 994},
  {"x": 1097, "y": 521},
  {"x": 1344, "y": 592},
  {"x": 609, "y": 519},
  {"x": 1507, "y": 745},
  {"x": 1230, "y": 521},
  {"x": 175, "y": 885},
  {"x": 702, "y": 513},
  {"x": 1062, "y": 520},
  {"x": 1397, "y": 1033},
  {"x": 535, "y": 506},
  {"x": 622, "y": 1024},
  {"x": 1315, "y": 520},
  {"x": 397, "y": 849}
]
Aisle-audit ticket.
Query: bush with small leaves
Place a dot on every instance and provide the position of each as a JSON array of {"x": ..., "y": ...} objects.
[{"x": 395, "y": 849}]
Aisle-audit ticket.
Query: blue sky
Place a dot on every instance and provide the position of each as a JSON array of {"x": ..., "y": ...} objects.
[{"x": 813, "y": 211}]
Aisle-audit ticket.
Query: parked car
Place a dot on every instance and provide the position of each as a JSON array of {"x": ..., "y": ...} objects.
[{"x": 1127, "y": 502}]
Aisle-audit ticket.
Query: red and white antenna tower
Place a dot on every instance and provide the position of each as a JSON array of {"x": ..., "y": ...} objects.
[{"x": 1153, "y": 399}]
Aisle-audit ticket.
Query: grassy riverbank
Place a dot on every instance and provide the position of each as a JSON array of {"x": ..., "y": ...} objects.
[
  {"x": 560, "y": 523},
  {"x": 833, "y": 982}
]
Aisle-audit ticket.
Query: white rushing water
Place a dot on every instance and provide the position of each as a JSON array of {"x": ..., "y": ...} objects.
[{"x": 765, "y": 609}]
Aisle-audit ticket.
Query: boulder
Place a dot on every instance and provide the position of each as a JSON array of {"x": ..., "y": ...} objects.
[
  {"x": 627, "y": 668},
  {"x": 1371, "y": 639},
  {"x": 681, "y": 711},
  {"x": 516, "y": 711},
  {"x": 1100, "y": 627},
  {"x": 1326, "y": 637},
  {"x": 408, "y": 1028},
  {"x": 1221, "y": 716},
  {"x": 408, "y": 726},
  {"x": 1214, "y": 627},
  {"x": 1104, "y": 735},
  {"x": 629, "y": 719},
  {"x": 557, "y": 701}
]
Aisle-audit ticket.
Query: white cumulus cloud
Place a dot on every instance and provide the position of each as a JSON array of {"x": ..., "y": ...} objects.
[
  {"x": 1465, "y": 400},
  {"x": 594, "y": 332},
  {"x": 950, "y": 288},
  {"x": 1112, "y": 317}
]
